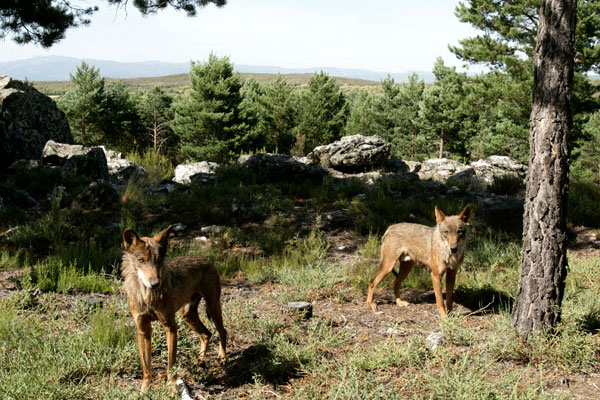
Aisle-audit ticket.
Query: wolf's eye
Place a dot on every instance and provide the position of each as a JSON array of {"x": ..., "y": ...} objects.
[
  {"x": 446, "y": 232},
  {"x": 140, "y": 259}
]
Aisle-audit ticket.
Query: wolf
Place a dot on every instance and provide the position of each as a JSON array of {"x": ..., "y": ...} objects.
[
  {"x": 157, "y": 287},
  {"x": 441, "y": 247}
]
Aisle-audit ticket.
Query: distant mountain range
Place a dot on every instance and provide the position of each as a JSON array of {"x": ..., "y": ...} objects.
[{"x": 57, "y": 68}]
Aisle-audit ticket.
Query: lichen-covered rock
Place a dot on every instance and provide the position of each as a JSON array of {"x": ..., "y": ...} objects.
[
  {"x": 28, "y": 119},
  {"x": 121, "y": 169},
  {"x": 494, "y": 167},
  {"x": 77, "y": 161},
  {"x": 199, "y": 172},
  {"x": 352, "y": 153},
  {"x": 280, "y": 166},
  {"x": 99, "y": 195},
  {"x": 445, "y": 170}
]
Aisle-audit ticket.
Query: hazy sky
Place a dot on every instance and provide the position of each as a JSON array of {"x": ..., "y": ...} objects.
[{"x": 378, "y": 35}]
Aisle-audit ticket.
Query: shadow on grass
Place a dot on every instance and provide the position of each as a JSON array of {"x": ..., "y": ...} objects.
[
  {"x": 259, "y": 362},
  {"x": 484, "y": 300},
  {"x": 590, "y": 322}
]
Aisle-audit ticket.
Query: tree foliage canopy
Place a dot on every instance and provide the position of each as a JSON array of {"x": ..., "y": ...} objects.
[{"x": 46, "y": 22}]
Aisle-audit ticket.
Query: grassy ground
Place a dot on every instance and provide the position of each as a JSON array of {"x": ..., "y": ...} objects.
[{"x": 65, "y": 331}]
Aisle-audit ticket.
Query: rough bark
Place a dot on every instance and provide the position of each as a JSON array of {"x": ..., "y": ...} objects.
[{"x": 544, "y": 257}]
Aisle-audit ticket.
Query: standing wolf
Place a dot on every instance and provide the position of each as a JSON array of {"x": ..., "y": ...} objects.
[
  {"x": 441, "y": 247},
  {"x": 157, "y": 287}
]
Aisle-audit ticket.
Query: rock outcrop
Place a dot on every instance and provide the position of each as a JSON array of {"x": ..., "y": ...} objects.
[
  {"x": 280, "y": 166},
  {"x": 199, "y": 172},
  {"x": 352, "y": 153},
  {"x": 121, "y": 169},
  {"x": 28, "y": 119},
  {"x": 76, "y": 160},
  {"x": 446, "y": 171},
  {"x": 493, "y": 167}
]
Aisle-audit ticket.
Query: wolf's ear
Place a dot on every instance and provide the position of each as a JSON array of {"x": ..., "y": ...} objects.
[
  {"x": 465, "y": 214},
  {"x": 439, "y": 215},
  {"x": 163, "y": 236},
  {"x": 130, "y": 238}
]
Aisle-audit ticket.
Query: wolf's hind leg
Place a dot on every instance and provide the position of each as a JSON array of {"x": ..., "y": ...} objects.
[
  {"x": 388, "y": 261},
  {"x": 404, "y": 270},
  {"x": 189, "y": 312}
]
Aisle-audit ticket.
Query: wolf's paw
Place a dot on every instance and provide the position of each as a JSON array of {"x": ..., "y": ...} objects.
[
  {"x": 372, "y": 306},
  {"x": 401, "y": 303}
]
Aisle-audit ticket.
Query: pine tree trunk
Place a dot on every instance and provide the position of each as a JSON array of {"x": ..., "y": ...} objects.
[
  {"x": 544, "y": 257},
  {"x": 442, "y": 145},
  {"x": 155, "y": 131}
]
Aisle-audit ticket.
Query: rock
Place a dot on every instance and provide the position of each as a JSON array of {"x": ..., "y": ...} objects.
[
  {"x": 90, "y": 165},
  {"x": 494, "y": 167},
  {"x": 212, "y": 230},
  {"x": 434, "y": 340},
  {"x": 166, "y": 186},
  {"x": 76, "y": 160},
  {"x": 184, "y": 390},
  {"x": 302, "y": 307},
  {"x": 446, "y": 171},
  {"x": 57, "y": 153},
  {"x": 269, "y": 166},
  {"x": 121, "y": 169},
  {"x": 352, "y": 153},
  {"x": 198, "y": 172},
  {"x": 179, "y": 227},
  {"x": 28, "y": 119},
  {"x": 99, "y": 195},
  {"x": 16, "y": 197}
]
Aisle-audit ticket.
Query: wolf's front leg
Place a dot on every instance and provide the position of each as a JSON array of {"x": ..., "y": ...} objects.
[
  {"x": 437, "y": 288},
  {"x": 450, "y": 279},
  {"x": 144, "y": 341}
]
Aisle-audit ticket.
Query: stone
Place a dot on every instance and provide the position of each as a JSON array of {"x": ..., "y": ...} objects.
[
  {"x": 268, "y": 166},
  {"x": 76, "y": 160},
  {"x": 494, "y": 167},
  {"x": 120, "y": 169},
  {"x": 434, "y": 340},
  {"x": 446, "y": 171},
  {"x": 302, "y": 307},
  {"x": 99, "y": 195},
  {"x": 198, "y": 172},
  {"x": 28, "y": 119},
  {"x": 352, "y": 153}
]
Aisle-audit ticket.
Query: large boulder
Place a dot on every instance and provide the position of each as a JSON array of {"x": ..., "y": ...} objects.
[
  {"x": 200, "y": 172},
  {"x": 352, "y": 153},
  {"x": 492, "y": 168},
  {"x": 121, "y": 169},
  {"x": 76, "y": 161},
  {"x": 280, "y": 166},
  {"x": 28, "y": 119},
  {"x": 446, "y": 171}
]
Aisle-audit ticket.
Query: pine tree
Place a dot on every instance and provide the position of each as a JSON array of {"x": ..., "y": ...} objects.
[
  {"x": 156, "y": 116},
  {"x": 408, "y": 142},
  {"x": 279, "y": 115},
  {"x": 121, "y": 120},
  {"x": 442, "y": 111},
  {"x": 46, "y": 22},
  {"x": 544, "y": 256},
  {"x": 208, "y": 121},
  {"x": 84, "y": 105},
  {"x": 361, "y": 120},
  {"x": 322, "y": 112}
]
